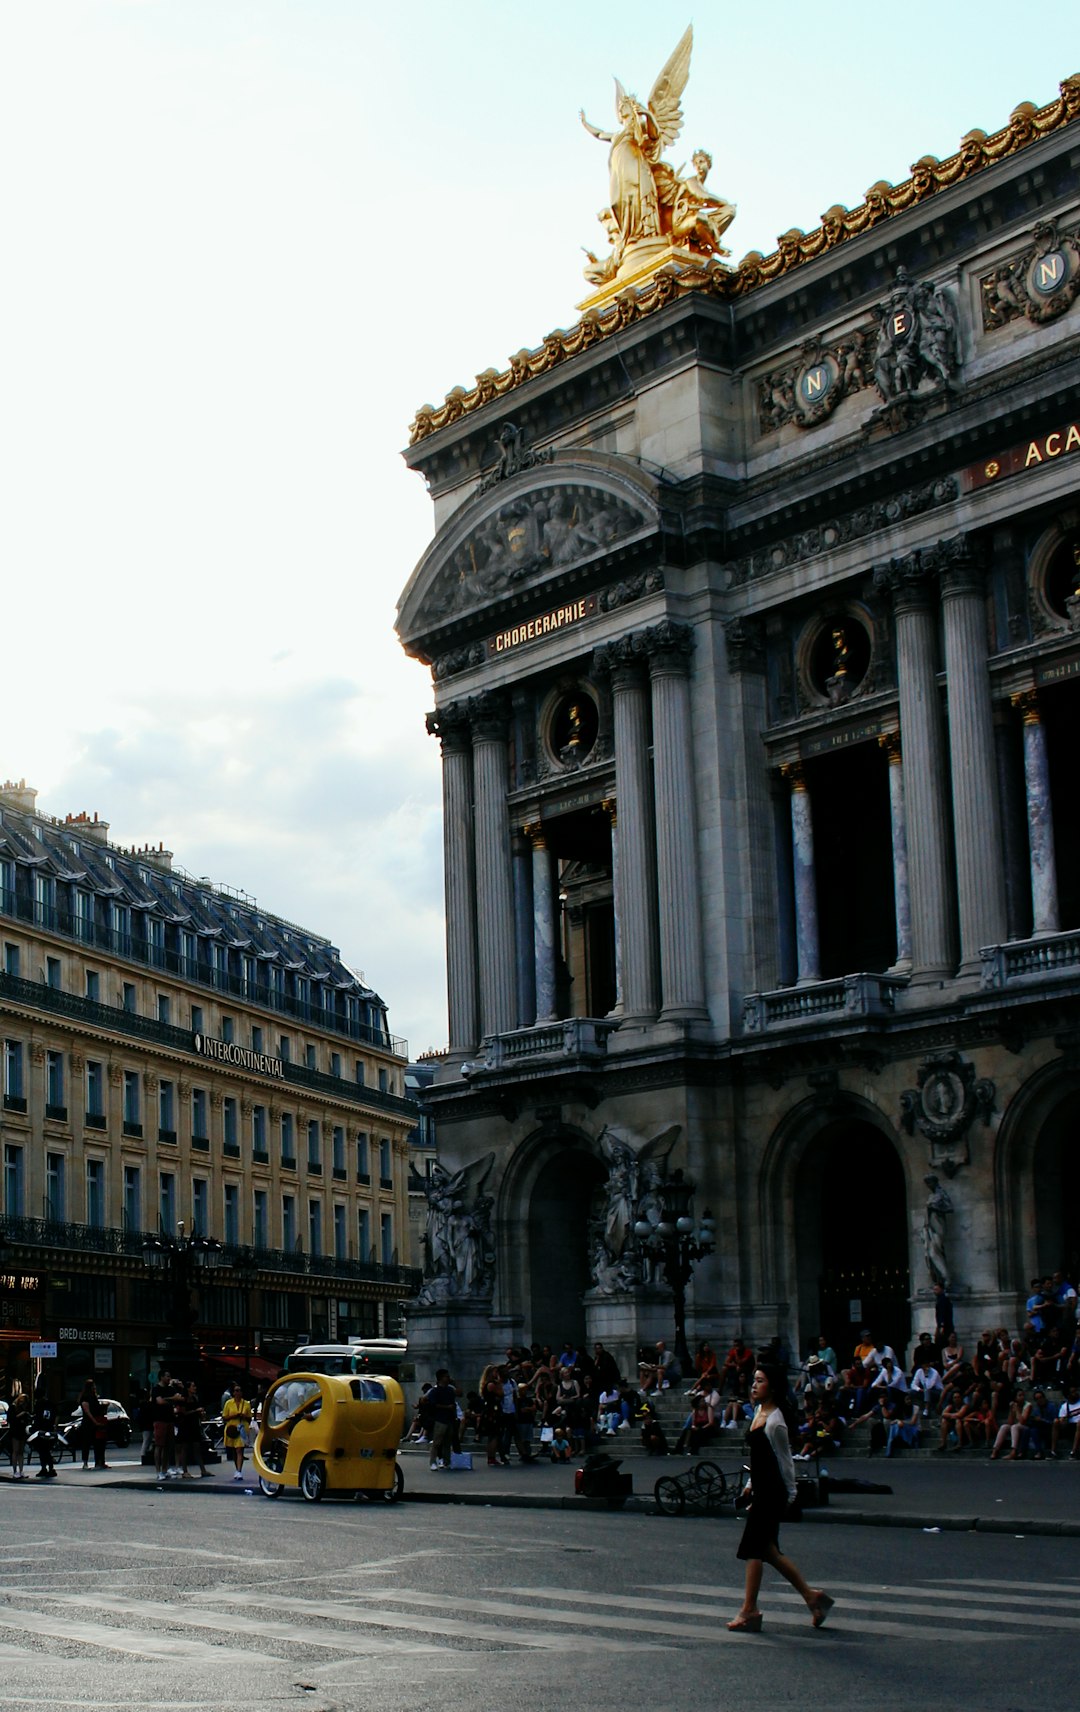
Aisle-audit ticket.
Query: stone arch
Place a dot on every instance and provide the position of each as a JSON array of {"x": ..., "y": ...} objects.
[
  {"x": 543, "y": 1264},
  {"x": 1027, "y": 1126},
  {"x": 787, "y": 1240}
]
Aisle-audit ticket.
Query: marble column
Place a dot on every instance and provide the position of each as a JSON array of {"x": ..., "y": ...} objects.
[
  {"x": 980, "y": 872},
  {"x": 610, "y": 808},
  {"x": 890, "y": 742},
  {"x": 451, "y": 725},
  {"x": 1040, "y": 816},
  {"x": 543, "y": 924},
  {"x": 808, "y": 953},
  {"x": 524, "y": 959},
  {"x": 494, "y": 877},
  {"x": 910, "y": 581},
  {"x": 635, "y": 896},
  {"x": 668, "y": 647}
]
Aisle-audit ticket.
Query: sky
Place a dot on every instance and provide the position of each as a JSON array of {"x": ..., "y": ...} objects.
[{"x": 243, "y": 240}]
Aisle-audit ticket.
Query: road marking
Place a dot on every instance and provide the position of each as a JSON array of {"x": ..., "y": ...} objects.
[
  {"x": 888, "y": 1588},
  {"x": 183, "y": 1615},
  {"x": 168, "y": 1648}
]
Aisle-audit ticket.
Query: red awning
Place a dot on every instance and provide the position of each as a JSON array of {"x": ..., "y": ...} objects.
[{"x": 256, "y": 1365}]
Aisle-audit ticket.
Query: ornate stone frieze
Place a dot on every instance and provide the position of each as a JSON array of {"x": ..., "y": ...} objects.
[
  {"x": 458, "y": 660},
  {"x": 944, "y": 1105},
  {"x": 1037, "y": 285},
  {"x": 473, "y": 654},
  {"x": 839, "y": 531},
  {"x": 928, "y": 176},
  {"x": 547, "y": 529},
  {"x": 807, "y": 392},
  {"x": 514, "y": 455}
]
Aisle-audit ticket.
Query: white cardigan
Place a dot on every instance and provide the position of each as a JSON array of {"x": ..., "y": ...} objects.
[{"x": 776, "y": 1428}]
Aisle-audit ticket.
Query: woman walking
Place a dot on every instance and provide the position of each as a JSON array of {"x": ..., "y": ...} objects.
[
  {"x": 772, "y": 1488},
  {"x": 18, "y": 1429}
]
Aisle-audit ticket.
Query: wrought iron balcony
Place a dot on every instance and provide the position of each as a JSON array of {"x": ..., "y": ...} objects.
[{"x": 860, "y": 997}]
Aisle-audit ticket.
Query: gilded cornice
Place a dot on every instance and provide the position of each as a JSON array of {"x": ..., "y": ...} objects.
[{"x": 928, "y": 176}]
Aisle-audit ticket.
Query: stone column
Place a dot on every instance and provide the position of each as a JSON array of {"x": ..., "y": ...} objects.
[
  {"x": 1040, "y": 816},
  {"x": 451, "y": 725},
  {"x": 524, "y": 960},
  {"x": 808, "y": 952},
  {"x": 610, "y": 808},
  {"x": 759, "y": 884},
  {"x": 668, "y": 647},
  {"x": 925, "y": 780},
  {"x": 543, "y": 924},
  {"x": 980, "y": 871},
  {"x": 635, "y": 897},
  {"x": 494, "y": 879},
  {"x": 890, "y": 742}
]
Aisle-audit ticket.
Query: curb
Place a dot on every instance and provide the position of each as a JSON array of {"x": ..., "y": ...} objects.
[{"x": 642, "y": 1506}]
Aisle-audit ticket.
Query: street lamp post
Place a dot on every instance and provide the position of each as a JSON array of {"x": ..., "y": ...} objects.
[
  {"x": 678, "y": 1247},
  {"x": 180, "y": 1260}
]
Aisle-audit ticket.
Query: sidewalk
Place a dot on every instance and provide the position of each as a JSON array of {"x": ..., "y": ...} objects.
[{"x": 947, "y": 1492}]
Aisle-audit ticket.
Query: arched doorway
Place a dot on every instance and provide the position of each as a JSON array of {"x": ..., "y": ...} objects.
[
  {"x": 565, "y": 1195},
  {"x": 852, "y": 1239},
  {"x": 1056, "y": 1185}
]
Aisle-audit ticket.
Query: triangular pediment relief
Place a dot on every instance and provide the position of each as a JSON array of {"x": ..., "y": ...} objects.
[{"x": 515, "y": 534}]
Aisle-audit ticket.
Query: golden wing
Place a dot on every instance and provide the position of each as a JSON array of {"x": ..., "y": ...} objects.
[{"x": 667, "y": 91}]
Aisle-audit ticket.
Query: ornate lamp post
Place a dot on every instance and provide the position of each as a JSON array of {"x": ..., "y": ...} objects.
[
  {"x": 180, "y": 1260},
  {"x": 678, "y": 1247}
]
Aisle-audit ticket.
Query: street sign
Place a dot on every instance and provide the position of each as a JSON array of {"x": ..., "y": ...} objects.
[{"x": 42, "y": 1352}]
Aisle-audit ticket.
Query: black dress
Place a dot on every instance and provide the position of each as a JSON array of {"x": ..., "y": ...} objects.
[{"x": 768, "y": 1500}]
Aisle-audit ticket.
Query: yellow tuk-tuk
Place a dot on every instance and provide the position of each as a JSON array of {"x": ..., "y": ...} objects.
[{"x": 329, "y": 1432}]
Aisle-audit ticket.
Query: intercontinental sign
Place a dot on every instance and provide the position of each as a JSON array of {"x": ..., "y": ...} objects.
[{"x": 240, "y": 1057}]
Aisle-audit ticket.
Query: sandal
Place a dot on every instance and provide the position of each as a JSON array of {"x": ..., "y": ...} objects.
[
  {"x": 820, "y": 1609},
  {"x": 750, "y": 1622}
]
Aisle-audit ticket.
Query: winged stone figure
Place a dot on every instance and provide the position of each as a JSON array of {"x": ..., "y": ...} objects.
[{"x": 641, "y": 184}]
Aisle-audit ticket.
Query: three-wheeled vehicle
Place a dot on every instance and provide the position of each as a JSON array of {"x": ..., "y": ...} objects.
[{"x": 326, "y": 1432}]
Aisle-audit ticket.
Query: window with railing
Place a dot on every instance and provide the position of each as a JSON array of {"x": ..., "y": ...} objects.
[
  {"x": 14, "y": 1090},
  {"x": 200, "y": 1119},
  {"x": 95, "y": 1193},
  {"x": 196, "y": 1019},
  {"x": 288, "y": 1138},
  {"x": 155, "y": 941},
  {"x": 260, "y": 1218},
  {"x": 133, "y": 1220},
  {"x": 232, "y": 1213},
  {"x": 45, "y": 900},
  {"x": 95, "y": 1093},
  {"x": 315, "y": 1227},
  {"x": 12, "y": 958},
  {"x": 164, "y": 1009},
  {"x": 230, "y": 1127},
  {"x": 363, "y": 1158},
  {"x": 167, "y": 1201},
  {"x": 130, "y": 999},
  {"x": 363, "y": 1236},
  {"x": 288, "y": 1222},
  {"x": 55, "y": 1103},
  {"x": 386, "y": 1239},
  {"x": 258, "y": 1130},
  {"x": 55, "y": 1196},
  {"x": 120, "y": 922},
  {"x": 314, "y": 1144},
  {"x": 53, "y": 973},
  {"x": 93, "y": 986},
  {"x": 14, "y": 1185},
  {"x": 341, "y": 1233},
  {"x": 166, "y": 1111},
  {"x": 200, "y": 1206},
  {"x": 256, "y": 1038},
  {"x": 339, "y": 1150},
  {"x": 132, "y": 1103},
  {"x": 386, "y": 1170}
]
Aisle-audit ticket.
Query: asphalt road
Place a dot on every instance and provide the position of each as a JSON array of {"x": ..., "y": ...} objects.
[{"x": 111, "y": 1598}]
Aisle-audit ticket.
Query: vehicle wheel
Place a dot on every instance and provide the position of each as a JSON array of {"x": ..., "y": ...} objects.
[
  {"x": 313, "y": 1480},
  {"x": 392, "y": 1493},
  {"x": 270, "y": 1488},
  {"x": 670, "y": 1498},
  {"x": 711, "y": 1482}
]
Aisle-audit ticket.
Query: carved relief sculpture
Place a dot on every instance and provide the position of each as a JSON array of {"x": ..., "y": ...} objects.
[
  {"x": 631, "y": 1194},
  {"x": 948, "y": 1099},
  {"x": 1039, "y": 284},
  {"x": 807, "y": 392},
  {"x": 655, "y": 214},
  {"x": 917, "y": 345},
  {"x": 459, "y": 1249}
]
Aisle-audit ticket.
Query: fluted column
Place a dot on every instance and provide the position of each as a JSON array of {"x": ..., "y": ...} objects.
[
  {"x": 1040, "y": 816},
  {"x": 610, "y": 808},
  {"x": 543, "y": 924},
  {"x": 808, "y": 952},
  {"x": 668, "y": 647},
  {"x": 450, "y": 724},
  {"x": 980, "y": 874},
  {"x": 494, "y": 879},
  {"x": 890, "y": 742},
  {"x": 635, "y": 896},
  {"x": 524, "y": 958},
  {"x": 925, "y": 778}
]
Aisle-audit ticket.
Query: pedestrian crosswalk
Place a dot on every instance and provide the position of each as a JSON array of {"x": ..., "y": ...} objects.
[{"x": 227, "y": 1624}]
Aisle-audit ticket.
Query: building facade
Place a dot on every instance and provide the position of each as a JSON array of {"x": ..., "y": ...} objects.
[
  {"x": 176, "y": 1056},
  {"x": 753, "y": 614}
]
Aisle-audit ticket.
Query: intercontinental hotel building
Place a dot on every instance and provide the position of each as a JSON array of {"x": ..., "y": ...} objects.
[
  {"x": 174, "y": 1055},
  {"x": 752, "y": 612}
]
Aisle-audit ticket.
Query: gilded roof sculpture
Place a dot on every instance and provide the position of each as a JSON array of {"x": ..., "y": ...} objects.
[{"x": 675, "y": 278}]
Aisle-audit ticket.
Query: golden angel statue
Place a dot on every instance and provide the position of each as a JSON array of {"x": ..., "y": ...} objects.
[{"x": 654, "y": 211}]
